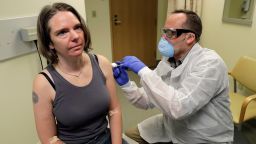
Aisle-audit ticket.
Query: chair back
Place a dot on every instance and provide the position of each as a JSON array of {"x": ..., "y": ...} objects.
[{"x": 245, "y": 72}]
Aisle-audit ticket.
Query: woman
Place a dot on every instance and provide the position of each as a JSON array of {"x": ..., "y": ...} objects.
[{"x": 73, "y": 95}]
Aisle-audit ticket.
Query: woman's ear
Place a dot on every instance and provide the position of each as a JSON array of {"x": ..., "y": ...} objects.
[{"x": 51, "y": 46}]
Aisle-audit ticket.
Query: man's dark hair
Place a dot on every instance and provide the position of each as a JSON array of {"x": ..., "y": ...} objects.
[{"x": 192, "y": 23}]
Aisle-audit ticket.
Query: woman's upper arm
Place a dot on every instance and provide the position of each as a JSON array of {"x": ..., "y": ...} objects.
[
  {"x": 43, "y": 110},
  {"x": 106, "y": 68},
  {"x": 115, "y": 116}
]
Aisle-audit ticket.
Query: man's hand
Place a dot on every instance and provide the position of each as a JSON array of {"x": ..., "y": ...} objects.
[
  {"x": 133, "y": 63},
  {"x": 120, "y": 75}
]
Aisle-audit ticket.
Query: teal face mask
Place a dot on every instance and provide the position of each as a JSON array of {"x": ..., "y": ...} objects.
[{"x": 165, "y": 48}]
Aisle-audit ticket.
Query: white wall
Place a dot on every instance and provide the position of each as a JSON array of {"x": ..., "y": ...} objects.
[
  {"x": 161, "y": 16},
  {"x": 230, "y": 40},
  {"x": 99, "y": 26},
  {"x": 16, "y": 75}
]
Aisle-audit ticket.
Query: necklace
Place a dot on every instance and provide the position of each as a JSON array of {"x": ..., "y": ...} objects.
[
  {"x": 71, "y": 74},
  {"x": 74, "y": 75}
]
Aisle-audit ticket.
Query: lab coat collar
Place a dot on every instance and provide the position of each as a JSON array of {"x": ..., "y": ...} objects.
[
  {"x": 163, "y": 67},
  {"x": 195, "y": 50}
]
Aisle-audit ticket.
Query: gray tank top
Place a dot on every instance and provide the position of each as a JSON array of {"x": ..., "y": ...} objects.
[{"x": 81, "y": 111}]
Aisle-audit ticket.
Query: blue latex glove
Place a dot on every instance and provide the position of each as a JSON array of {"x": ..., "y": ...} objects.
[
  {"x": 120, "y": 75},
  {"x": 133, "y": 63}
]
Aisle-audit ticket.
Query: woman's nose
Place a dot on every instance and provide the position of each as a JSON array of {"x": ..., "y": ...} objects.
[{"x": 74, "y": 34}]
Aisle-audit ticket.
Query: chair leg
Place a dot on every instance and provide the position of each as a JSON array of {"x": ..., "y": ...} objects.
[{"x": 239, "y": 126}]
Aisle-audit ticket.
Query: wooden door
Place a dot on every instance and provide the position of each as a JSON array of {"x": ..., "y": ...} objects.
[{"x": 133, "y": 26}]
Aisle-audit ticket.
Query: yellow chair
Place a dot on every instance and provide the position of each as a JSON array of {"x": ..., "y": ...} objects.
[{"x": 243, "y": 107}]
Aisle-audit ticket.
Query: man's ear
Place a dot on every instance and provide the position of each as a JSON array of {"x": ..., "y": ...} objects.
[{"x": 190, "y": 38}]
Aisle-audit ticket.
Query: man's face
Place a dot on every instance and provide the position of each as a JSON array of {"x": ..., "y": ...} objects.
[{"x": 176, "y": 34}]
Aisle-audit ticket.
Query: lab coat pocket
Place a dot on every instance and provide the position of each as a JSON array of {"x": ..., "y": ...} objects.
[{"x": 200, "y": 122}]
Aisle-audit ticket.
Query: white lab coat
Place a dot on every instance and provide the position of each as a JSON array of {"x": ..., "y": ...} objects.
[{"x": 193, "y": 99}]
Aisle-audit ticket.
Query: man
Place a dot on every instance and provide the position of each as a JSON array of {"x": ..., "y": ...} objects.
[{"x": 189, "y": 86}]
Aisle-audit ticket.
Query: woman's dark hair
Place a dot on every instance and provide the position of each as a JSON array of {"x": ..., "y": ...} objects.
[
  {"x": 192, "y": 23},
  {"x": 43, "y": 29}
]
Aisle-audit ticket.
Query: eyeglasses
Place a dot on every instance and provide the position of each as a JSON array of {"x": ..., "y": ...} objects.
[{"x": 174, "y": 33}]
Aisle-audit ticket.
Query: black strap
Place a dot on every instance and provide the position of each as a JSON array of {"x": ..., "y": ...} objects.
[
  {"x": 48, "y": 78},
  {"x": 96, "y": 58}
]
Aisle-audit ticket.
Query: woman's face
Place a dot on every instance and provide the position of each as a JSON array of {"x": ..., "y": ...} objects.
[{"x": 66, "y": 34}]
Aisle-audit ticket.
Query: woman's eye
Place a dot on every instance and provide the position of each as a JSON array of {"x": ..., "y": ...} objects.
[
  {"x": 61, "y": 33},
  {"x": 78, "y": 27}
]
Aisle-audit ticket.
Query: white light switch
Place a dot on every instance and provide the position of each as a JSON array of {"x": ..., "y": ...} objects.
[
  {"x": 28, "y": 33},
  {"x": 94, "y": 13},
  {"x": 11, "y": 44}
]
